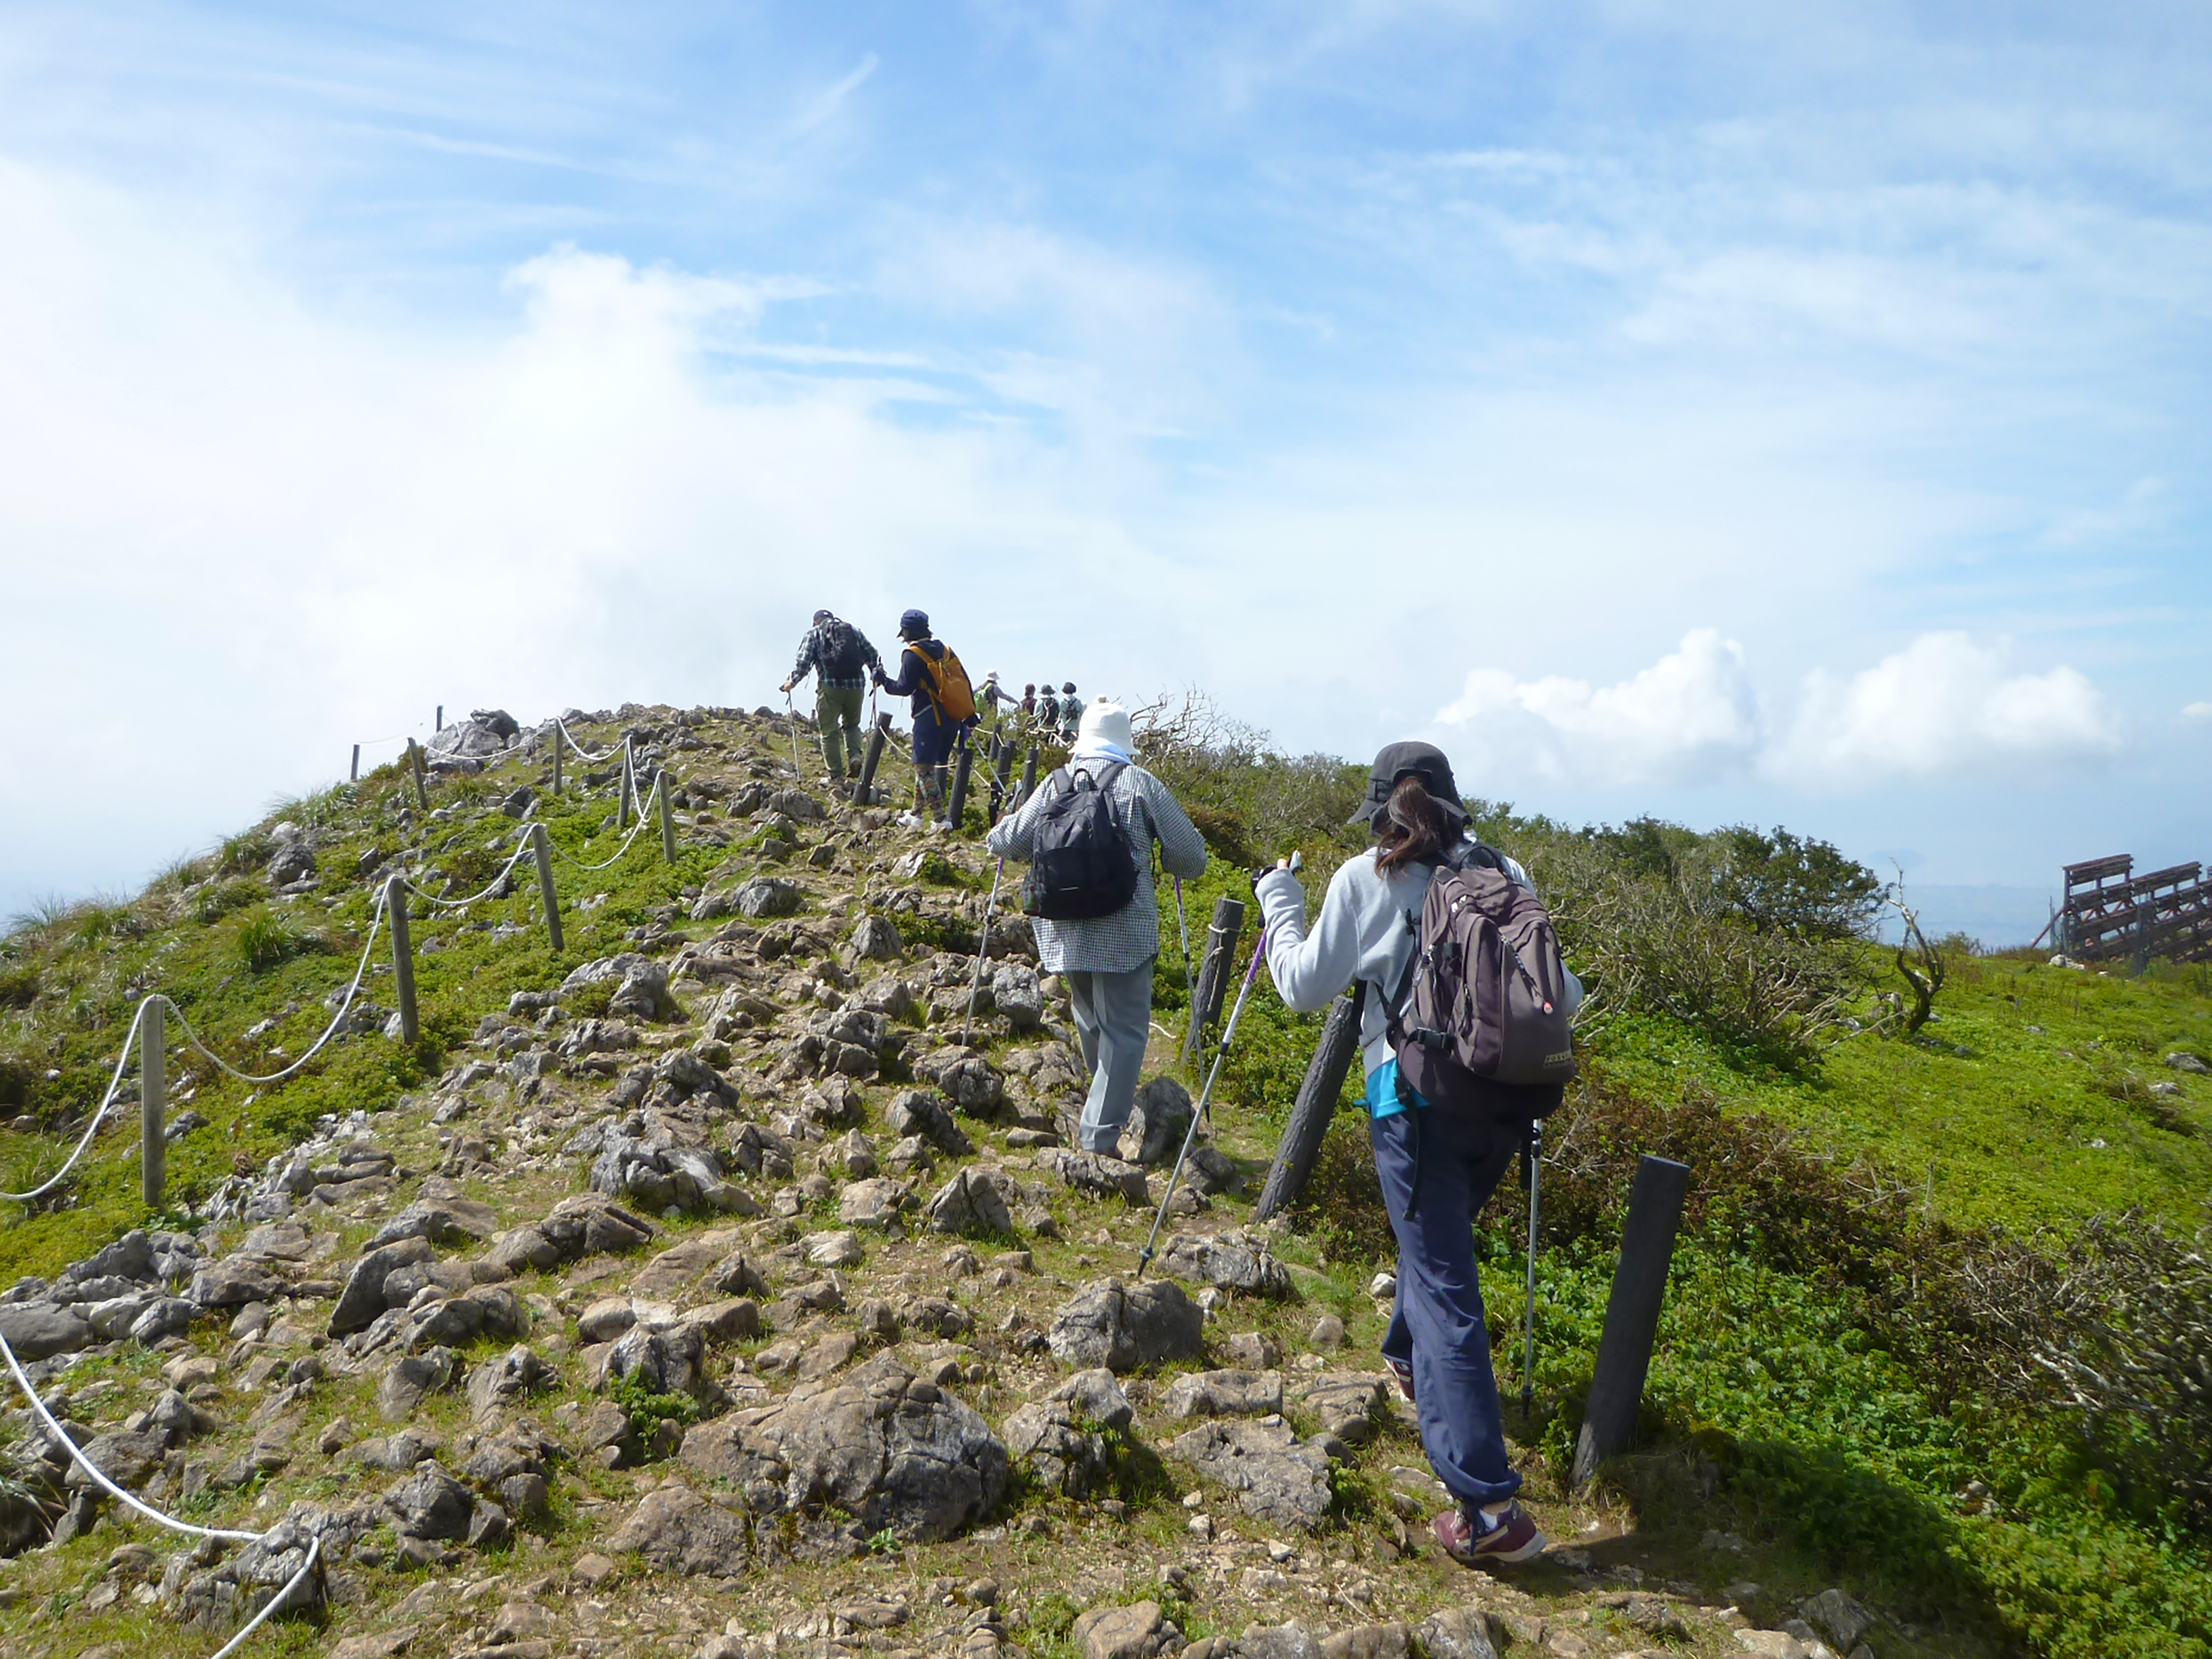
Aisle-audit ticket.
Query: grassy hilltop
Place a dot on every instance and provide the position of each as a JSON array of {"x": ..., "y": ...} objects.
[{"x": 1933, "y": 1336}]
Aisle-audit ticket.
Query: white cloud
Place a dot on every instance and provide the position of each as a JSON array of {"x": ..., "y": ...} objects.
[
  {"x": 2197, "y": 711},
  {"x": 1691, "y": 717},
  {"x": 1946, "y": 705}
]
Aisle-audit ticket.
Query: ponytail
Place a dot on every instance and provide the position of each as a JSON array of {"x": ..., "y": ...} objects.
[{"x": 1411, "y": 827}]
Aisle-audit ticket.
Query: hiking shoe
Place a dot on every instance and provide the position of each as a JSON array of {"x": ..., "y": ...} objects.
[
  {"x": 1404, "y": 1373},
  {"x": 1514, "y": 1537},
  {"x": 909, "y": 821}
]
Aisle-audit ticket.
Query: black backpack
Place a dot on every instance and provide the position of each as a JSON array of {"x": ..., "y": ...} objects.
[
  {"x": 843, "y": 650},
  {"x": 1480, "y": 1019},
  {"x": 1079, "y": 862}
]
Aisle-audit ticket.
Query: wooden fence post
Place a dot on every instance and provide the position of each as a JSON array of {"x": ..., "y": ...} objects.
[
  {"x": 153, "y": 1135},
  {"x": 1316, "y": 1104},
  {"x": 1028, "y": 776},
  {"x": 1632, "y": 1312},
  {"x": 878, "y": 735},
  {"x": 422, "y": 789},
  {"x": 667, "y": 815},
  {"x": 403, "y": 957},
  {"x": 955, "y": 805},
  {"x": 623, "y": 788},
  {"x": 441, "y": 725},
  {"x": 543, "y": 849},
  {"x": 355, "y": 778},
  {"x": 556, "y": 760},
  {"x": 1215, "y": 973},
  {"x": 1002, "y": 776}
]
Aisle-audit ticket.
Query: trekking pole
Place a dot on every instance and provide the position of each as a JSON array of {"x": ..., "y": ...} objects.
[
  {"x": 982, "y": 949},
  {"x": 797, "y": 777},
  {"x": 1205, "y": 1096},
  {"x": 1532, "y": 1154},
  {"x": 1182, "y": 920}
]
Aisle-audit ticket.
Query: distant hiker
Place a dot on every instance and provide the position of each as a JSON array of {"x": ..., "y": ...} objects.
[
  {"x": 1029, "y": 703},
  {"x": 1071, "y": 711},
  {"x": 1087, "y": 834},
  {"x": 993, "y": 698},
  {"x": 1438, "y": 1163},
  {"x": 1048, "y": 713},
  {"x": 841, "y": 658},
  {"x": 944, "y": 703}
]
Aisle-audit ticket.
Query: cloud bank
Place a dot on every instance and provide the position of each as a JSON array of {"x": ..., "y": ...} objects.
[{"x": 1946, "y": 705}]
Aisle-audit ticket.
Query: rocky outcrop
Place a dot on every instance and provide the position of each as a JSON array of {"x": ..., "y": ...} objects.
[
  {"x": 1235, "y": 1262},
  {"x": 1276, "y": 1478},
  {"x": 1122, "y": 1328},
  {"x": 884, "y": 1447}
]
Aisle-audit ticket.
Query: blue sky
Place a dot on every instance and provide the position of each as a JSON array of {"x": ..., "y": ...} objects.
[{"x": 1734, "y": 412}]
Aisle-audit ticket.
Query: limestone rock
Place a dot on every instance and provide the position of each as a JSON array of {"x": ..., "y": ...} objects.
[
  {"x": 1226, "y": 1394},
  {"x": 641, "y": 985},
  {"x": 40, "y": 1330},
  {"x": 677, "y": 1531},
  {"x": 410, "y": 1379},
  {"x": 363, "y": 1297},
  {"x": 889, "y": 1449},
  {"x": 1277, "y": 1479},
  {"x": 1096, "y": 1396},
  {"x": 510, "y": 1379},
  {"x": 1391, "y": 1641},
  {"x": 1095, "y": 1172},
  {"x": 1235, "y": 1261},
  {"x": 1137, "y": 1631},
  {"x": 922, "y": 1112},
  {"x": 1458, "y": 1633},
  {"x": 429, "y": 1504},
  {"x": 1159, "y": 1118},
  {"x": 1062, "y": 1454},
  {"x": 1349, "y": 1404},
  {"x": 1122, "y": 1328},
  {"x": 974, "y": 1204}
]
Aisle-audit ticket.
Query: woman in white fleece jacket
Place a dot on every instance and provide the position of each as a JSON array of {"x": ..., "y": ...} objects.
[{"x": 1438, "y": 1167}]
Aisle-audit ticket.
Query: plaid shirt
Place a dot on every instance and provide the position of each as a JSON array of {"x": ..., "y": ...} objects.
[
  {"x": 1131, "y": 936},
  {"x": 813, "y": 652}
]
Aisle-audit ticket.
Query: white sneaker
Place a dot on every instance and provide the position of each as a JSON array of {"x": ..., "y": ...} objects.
[
  {"x": 938, "y": 826},
  {"x": 908, "y": 821}
]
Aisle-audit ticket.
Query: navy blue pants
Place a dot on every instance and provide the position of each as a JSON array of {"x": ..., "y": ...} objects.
[{"x": 1438, "y": 1169}]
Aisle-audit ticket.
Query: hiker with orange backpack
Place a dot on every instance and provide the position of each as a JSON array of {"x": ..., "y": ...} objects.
[{"x": 944, "y": 705}]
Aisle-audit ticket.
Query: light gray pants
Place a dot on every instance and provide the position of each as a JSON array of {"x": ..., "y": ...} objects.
[{"x": 1114, "y": 1019}]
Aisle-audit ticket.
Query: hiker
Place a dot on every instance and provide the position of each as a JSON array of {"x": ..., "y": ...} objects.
[
  {"x": 1029, "y": 703},
  {"x": 1438, "y": 1165},
  {"x": 841, "y": 658},
  {"x": 1071, "y": 711},
  {"x": 1048, "y": 713},
  {"x": 993, "y": 697},
  {"x": 1105, "y": 955},
  {"x": 944, "y": 703}
]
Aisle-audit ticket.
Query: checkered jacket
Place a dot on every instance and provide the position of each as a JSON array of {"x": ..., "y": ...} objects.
[
  {"x": 1129, "y": 938},
  {"x": 813, "y": 652}
]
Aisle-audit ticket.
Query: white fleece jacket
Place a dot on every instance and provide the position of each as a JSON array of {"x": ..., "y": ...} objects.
[{"x": 1368, "y": 924}]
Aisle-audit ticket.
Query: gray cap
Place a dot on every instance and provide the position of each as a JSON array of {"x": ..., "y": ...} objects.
[{"x": 1424, "y": 761}]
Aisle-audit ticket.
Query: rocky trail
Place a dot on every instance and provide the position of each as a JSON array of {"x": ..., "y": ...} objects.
[{"x": 733, "y": 1296}]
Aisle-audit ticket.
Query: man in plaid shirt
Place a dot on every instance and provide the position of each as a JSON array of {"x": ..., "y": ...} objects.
[{"x": 840, "y": 656}]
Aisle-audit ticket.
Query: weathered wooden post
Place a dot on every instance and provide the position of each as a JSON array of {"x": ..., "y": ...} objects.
[
  {"x": 1316, "y": 1104},
  {"x": 1215, "y": 972},
  {"x": 356, "y": 777},
  {"x": 878, "y": 735},
  {"x": 422, "y": 789},
  {"x": 441, "y": 725},
  {"x": 153, "y": 1135},
  {"x": 667, "y": 815},
  {"x": 1028, "y": 776},
  {"x": 1002, "y": 776},
  {"x": 623, "y": 787},
  {"x": 1632, "y": 1312},
  {"x": 556, "y": 760},
  {"x": 542, "y": 847},
  {"x": 403, "y": 957},
  {"x": 956, "y": 804}
]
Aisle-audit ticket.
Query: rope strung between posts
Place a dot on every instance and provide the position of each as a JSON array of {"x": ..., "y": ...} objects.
[
  {"x": 659, "y": 783},
  {"x": 493, "y": 890},
  {"x": 92, "y": 1127},
  {"x": 578, "y": 748},
  {"x": 375, "y": 923},
  {"x": 93, "y": 1472}
]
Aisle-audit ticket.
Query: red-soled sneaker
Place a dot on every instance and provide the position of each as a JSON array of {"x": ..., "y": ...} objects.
[{"x": 1514, "y": 1538}]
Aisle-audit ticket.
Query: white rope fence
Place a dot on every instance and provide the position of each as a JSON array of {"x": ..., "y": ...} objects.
[
  {"x": 145, "y": 1033},
  {"x": 282, "y": 1599}
]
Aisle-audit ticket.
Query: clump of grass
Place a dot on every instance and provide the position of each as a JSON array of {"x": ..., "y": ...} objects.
[
  {"x": 263, "y": 940},
  {"x": 220, "y": 898},
  {"x": 19, "y": 984},
  {"x": 246, "y": 852}
]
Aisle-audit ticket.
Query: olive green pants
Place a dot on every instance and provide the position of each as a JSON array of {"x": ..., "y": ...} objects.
[{"x": 837, "y": 712}]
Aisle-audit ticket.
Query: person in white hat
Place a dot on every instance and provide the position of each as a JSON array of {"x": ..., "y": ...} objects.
[{"x": 1105, "y": 956}]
